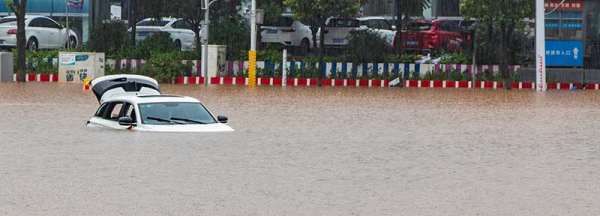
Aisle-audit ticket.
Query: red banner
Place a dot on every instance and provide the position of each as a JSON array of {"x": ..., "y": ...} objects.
[{"x": 576, "y": 5}]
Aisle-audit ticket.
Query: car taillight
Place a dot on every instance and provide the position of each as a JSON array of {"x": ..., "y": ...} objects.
[{"x": 11, "y": 31}]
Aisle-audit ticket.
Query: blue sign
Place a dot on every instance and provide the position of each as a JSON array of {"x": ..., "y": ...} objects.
[
  {"x": 564, "y": 53},
  {"x": 52, "y": 7},
  {"x": 554, "y": 25}
]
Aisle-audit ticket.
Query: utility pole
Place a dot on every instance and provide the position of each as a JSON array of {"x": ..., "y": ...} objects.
[
  {"x": 205, "y": 29},
  {"x": 252, "y": 52},
  {"x": 540, "y": 46}
]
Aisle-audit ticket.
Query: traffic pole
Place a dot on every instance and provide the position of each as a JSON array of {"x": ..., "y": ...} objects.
[
  {"x": 284, "y": 68},
  {"x": 252, "y": 52},
  {"x": 540, "y": 47}
]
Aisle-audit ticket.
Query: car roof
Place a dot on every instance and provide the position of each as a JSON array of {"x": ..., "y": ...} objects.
[
  {"x": 168, "y": 19},
  {"x": 27, "y": 17},
  {"x": 371, "y": 18},
  {"x": 140, "y": 99}
]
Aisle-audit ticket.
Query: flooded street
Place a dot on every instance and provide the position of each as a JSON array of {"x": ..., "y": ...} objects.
[{"x": 307, "y": 151}]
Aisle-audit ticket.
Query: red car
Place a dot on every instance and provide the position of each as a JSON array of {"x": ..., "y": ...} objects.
[{"x": 437, "y": 35}]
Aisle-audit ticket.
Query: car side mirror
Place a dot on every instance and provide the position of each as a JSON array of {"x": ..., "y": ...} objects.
[
  {"x": 222, "y": 119},
  {"x": 126, "y": 121}
]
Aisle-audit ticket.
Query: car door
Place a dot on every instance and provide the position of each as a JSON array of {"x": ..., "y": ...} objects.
[
  {"x": 58, "y": 36},
  {"x": 108, "y": 115},
  {"x": 338, "y": 30},
  {"x": 37, "y": 28},
  {"x": 182, "y": 31}
]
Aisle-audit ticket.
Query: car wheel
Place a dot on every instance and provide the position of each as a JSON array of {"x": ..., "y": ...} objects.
[
  {"x": 32, "y": 44},
  {"x": 305, "y": 46},
  {"x": 72, "y": 43},
  {"x": 178, "y": 45}
]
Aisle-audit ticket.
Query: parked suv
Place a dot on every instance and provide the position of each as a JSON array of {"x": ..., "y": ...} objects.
[
  {"x": 288, "y": 32},
  {"x": 337, "y": 31},
  {"x": 450, "y": 34}
]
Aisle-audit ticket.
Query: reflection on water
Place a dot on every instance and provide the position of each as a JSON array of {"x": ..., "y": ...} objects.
[{"x": 307, "y": 151}]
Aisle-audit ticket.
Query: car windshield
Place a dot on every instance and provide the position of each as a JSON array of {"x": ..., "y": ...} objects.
[
  {"x": 419, "y": 26},
  {"x": 153, "y": 23},
  {"x": 8, "y": 22},
  {"x": 168, "y": 113}
]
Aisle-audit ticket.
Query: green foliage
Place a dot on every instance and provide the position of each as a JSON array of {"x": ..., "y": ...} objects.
[
  {"x": 108, "y": 37},
  {"x": 272, "y": 55},
  {"x": 272, "y": 9},
  {"x": 164, "y": 67},
  {"x": 155, "y": 44},
  {"x": 454, "y": 58},
  {"x": 366, "y": 46},
  {"x": 404, "y": 58},
  {"x": 41, "y": 61},
  {"x": 233, "y": 32}
]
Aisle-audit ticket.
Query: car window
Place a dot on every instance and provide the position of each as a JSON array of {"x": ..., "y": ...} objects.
[
  {"x": 281, "y": 22},
  {"x": 50, "y": 24},
  {"x": 171, "y": 112},
  {"x": 130, "y": 111},
  {"x": 37, "y": 22},
  {"x": 182, "y": 24},
  {"x": 153, "y": 23},
  {"x": 101, "y": 110},
  {"x": 114, "y": 111},
  {"x": 8, "y": 22},
  {"x": 43, "y": 23},
  {"x": 344, "y": 23}
]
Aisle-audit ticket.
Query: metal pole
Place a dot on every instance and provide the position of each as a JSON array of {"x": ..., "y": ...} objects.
[
  {"x": 252, "y": 52},
  {"x": 284, "y": 68},
  {"x": 205, "y": 44},
  {"x": 67, "y": 12},
  {"x": 474, "y": 66},
  {"x": 540, "y": 47}
]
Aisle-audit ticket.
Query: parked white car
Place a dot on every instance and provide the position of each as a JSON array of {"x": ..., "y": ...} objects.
[
  {"x": 337, "y": 31},
  {"x": 288, "y": 32},
  {"x": 133, "y": 102},
  {"x": 41, "y": 33},
  {"x": 179, "y": 30},
  {"x": 381, "y": 26}
]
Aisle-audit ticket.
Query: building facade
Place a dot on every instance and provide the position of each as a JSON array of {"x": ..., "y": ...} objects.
[{"x": 438, "y": 8}]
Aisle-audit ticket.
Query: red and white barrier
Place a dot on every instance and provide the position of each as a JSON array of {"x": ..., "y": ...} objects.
[
  {"x": 33, "y": 77},
  {"x": 376, "y": 83}
]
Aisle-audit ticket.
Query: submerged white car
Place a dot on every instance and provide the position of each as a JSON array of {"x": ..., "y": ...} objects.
[{"x": 133, "y": 102}]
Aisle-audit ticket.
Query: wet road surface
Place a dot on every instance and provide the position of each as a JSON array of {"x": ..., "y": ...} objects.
[{"x": 307, "y": 151}]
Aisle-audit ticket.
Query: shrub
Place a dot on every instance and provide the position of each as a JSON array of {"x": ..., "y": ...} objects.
[
  {"x": 454, "y": 58},
  {"x": 164, "y": 67},
  {"x": 109, "y": 37},
  {"x": 366, "y": 46}
]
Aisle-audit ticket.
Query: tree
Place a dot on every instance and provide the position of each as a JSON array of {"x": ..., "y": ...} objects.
[
  {"x": 19, "y": 8},
  {"x": 501, "y": 20},
  {"x": 191, "y": 11},
  {"x": 138, "y": 9},
  {"x": 404, "y": 9},
  {"x": 315, "y": 14}
]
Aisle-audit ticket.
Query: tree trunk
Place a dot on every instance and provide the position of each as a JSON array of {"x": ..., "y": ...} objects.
[
  {"x": 398, "y": 44},
  {"x": 21, "y": 41},
  {"x": 132, "y": 20},
  {"x": 196, "y": 30},
  {"x": 504, "y": 52}
]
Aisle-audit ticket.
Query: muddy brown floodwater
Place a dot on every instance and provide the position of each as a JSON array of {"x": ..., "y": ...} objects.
[{"x": 307, "y": 151}]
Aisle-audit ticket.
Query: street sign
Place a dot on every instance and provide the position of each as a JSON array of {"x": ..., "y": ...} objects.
[{"x": 564, "y": 53}]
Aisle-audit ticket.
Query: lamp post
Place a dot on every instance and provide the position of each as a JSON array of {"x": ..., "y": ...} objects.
[
  {"x": 205, "y": 28},
  {"x": 540, "y": 46},
  {"x": 252, "y": 52}
]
